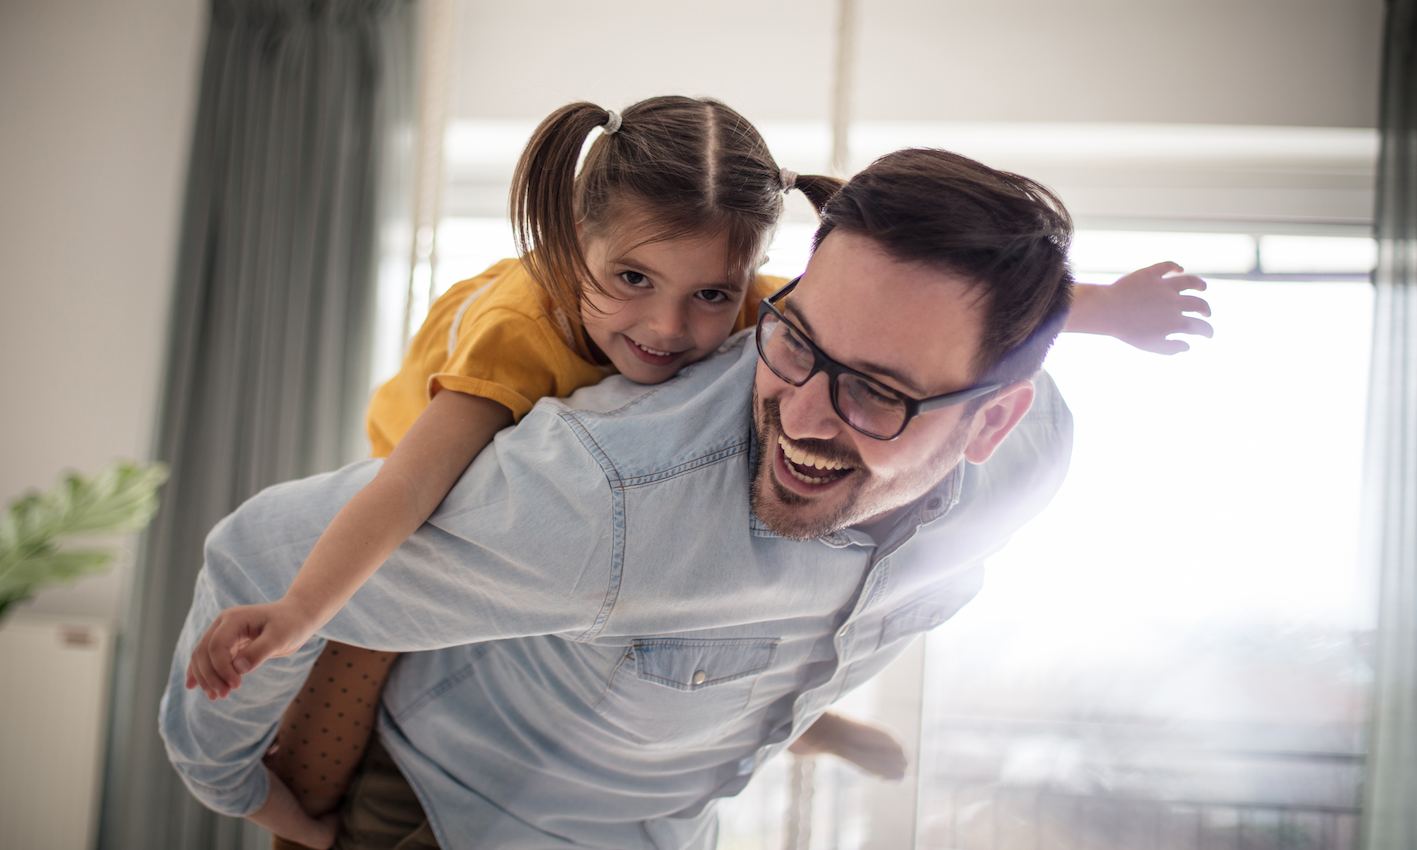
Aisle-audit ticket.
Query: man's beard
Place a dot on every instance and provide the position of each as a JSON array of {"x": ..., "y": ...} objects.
[{"x": 799, "y": 517}]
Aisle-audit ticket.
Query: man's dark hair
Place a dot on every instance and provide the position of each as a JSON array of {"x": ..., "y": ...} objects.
[{"x": 1006, "y": 235}]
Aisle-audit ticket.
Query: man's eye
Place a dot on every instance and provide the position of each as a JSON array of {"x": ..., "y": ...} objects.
[
  {"x": 794, "y": 342},
  {"x": 866, "y": 394},
  {"x": 712, "y": 296},
  {"x": 876, "y": 396},
  {"x": 635, "y": 279}
]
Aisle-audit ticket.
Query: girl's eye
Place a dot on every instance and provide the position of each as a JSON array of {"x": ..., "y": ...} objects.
[
  {"x": 712, "y": 296},
  {"x": 634, "y": 279}
]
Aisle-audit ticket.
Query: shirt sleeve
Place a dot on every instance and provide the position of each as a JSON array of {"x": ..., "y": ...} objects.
[
  {"x": 502, "y": 355},
  {"x": 521, "y": 546}
]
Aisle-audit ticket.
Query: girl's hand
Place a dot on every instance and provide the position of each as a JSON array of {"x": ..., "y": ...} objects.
[
  {"x": 318, "y": 834},
  {"x": 871, "y": 748},
  {"x": 1143, "y": 308},
  {"x": 240, "y": 639}
]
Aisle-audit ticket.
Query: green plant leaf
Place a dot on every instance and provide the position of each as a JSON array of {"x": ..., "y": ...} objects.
[{"x": 35, "y": 526}]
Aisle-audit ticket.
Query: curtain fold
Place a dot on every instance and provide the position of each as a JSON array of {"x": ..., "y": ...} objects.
[
  {"x": 1390, "y": 816},
  {"x": 302, "y": 105}
]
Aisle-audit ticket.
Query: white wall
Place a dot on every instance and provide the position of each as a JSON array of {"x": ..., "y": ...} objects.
[
  {"x": 1293, "y": 63},
  {"x": 1310, "y": 63},
  {"x": 97, "y": 101},
  {"x": 1257, "y": 114}
]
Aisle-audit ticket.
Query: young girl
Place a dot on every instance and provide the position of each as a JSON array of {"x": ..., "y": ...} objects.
[{"x": 642, "y": 263}]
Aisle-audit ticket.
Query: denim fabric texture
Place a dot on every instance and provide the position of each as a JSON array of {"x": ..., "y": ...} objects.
[{"x": 603, "y": 639}]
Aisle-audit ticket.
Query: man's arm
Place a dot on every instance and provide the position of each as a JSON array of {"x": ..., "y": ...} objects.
[{"x": 521, "y": 546}]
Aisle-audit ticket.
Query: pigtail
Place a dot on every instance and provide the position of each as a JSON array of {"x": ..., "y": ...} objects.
[
  {"x": 818, "y": 188},
  {"x": 543, "y": 204}
]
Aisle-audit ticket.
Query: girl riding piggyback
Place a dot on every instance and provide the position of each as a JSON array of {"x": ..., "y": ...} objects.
[{"x": 641, "y": 263}]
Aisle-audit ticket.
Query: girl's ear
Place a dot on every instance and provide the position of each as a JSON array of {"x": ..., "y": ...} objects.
[{"x": 996, "y": 419}]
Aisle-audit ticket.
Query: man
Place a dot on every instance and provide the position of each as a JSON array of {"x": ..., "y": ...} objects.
[{"x": 646, "y": 592}]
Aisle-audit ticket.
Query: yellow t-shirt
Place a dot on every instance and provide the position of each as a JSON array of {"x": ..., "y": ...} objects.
[{"x": 497, "y": 336}]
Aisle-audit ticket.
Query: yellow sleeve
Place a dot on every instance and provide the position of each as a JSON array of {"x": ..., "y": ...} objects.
[
  {"x": 762, "y": 286},
  {"x": 505, "y": 356}
]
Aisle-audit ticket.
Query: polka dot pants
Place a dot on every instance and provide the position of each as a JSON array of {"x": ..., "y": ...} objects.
[{"x": 327, "y": 728}]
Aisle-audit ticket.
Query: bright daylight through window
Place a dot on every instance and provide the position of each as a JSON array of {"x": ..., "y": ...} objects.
[{"x": 1174, "y": 654}]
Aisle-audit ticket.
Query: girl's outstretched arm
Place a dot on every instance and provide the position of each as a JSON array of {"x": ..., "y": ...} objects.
[
  {"x": 1143, "y": 308},
  {"x": 409, "y": 486}
]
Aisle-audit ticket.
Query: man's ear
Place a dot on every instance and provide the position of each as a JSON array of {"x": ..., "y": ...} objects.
[{"x": 997, "y": 418}]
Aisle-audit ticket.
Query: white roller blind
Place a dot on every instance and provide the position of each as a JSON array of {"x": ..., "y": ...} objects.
[
  {"x": 1285, "y": 63},
  {"x": 1256, "y": 115}
]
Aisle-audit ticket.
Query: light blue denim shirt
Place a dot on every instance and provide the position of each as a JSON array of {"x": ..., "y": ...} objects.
[{"x": 616, "y": 640}]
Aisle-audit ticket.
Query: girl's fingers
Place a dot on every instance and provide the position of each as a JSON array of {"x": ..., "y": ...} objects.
[
  {"x": 1192, "y": 304},
  {"x": 1198, "y": 327},
  {"x": 1181, "y": 283},
  {"x": 219, "y": 651},
  {"x": 202, "y": 674},
  {"x": 1164, "y": 268},
  {"x": 1168, "y": 346},
  {"x": 255, "y": 653}
]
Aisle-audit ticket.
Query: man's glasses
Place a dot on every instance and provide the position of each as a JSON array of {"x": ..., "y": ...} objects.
[{"x": 861, "y": 401}]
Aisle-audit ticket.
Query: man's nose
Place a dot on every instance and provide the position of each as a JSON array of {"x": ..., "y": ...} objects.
[{"x": 807, "y": 412}]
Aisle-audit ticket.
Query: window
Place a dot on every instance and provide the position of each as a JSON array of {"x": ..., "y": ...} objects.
[{"x": 1174, "y": 654}]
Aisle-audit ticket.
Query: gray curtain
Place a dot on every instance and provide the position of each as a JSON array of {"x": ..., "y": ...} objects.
[
  {"x": 300, "y": 102},
  {"x": 1390, "y": 810}
]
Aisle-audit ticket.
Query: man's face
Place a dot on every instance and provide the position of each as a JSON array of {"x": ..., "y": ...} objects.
[{"x": 913, "y": 328}]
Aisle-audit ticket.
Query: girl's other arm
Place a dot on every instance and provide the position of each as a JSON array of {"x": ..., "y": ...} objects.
[
  {"x": 1143, "y": 308},
  {"x": 409, "y": 486},
  {"x": 282, "y": 815}
]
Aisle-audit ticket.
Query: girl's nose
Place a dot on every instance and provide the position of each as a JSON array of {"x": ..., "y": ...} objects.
[{"x": 670, "y": 323}]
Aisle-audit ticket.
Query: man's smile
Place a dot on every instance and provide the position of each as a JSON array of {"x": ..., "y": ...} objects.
[{"x": 804, "y": 471}]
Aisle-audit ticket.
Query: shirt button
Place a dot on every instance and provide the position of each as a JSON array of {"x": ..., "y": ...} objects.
[
  {"x": 699, "y": 677},
  {"x": 934, "y": 504}
]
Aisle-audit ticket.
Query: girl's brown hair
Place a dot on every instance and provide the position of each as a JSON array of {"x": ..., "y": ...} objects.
[{"x": 684, "y": 165}]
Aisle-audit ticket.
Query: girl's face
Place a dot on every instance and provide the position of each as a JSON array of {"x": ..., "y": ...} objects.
[{"x": 674, "y": 302}]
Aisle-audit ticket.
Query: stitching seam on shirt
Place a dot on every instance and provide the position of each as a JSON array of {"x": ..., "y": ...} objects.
[
  {"x": 451, "y": 681},
  {"x": 617, "y": 566},
  {"x": 612, "y": 475},
  {"x": 884, "y": 566},
  {"x": 687, "y": 466},
  {"x": 610, "y": 680},
  {"x": 617, "y": 522}
]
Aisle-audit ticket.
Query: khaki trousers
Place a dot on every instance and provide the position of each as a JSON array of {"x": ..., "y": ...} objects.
[{"x": 380, "y": 812}]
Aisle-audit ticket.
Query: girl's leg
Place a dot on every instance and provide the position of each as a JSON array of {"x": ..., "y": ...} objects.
[{"x": 327, "y": 727}]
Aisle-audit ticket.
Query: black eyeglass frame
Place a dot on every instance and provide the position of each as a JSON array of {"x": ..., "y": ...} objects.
[{"x": 822, "y": 362}]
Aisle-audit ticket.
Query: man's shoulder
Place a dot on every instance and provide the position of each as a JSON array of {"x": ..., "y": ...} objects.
[{"x": 638, "y": 430}]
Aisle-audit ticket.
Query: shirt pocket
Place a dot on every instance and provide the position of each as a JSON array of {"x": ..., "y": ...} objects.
[{"x": 683, "y": 691}]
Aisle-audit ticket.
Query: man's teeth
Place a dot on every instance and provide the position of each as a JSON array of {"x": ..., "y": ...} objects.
[
  {"x": 652, "y": 350},
  {"x": 805, "y": 458}
]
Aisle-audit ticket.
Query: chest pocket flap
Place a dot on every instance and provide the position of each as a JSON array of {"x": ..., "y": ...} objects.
[{"x": 690, "y": 664}]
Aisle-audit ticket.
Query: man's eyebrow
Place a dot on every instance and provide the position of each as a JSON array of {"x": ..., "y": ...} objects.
[{"x": 861, "y": 365}]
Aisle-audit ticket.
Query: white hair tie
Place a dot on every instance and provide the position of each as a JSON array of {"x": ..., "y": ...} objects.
[
  {"x": 612, "y": 121},
  {"x": 789, "y": 179}
]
